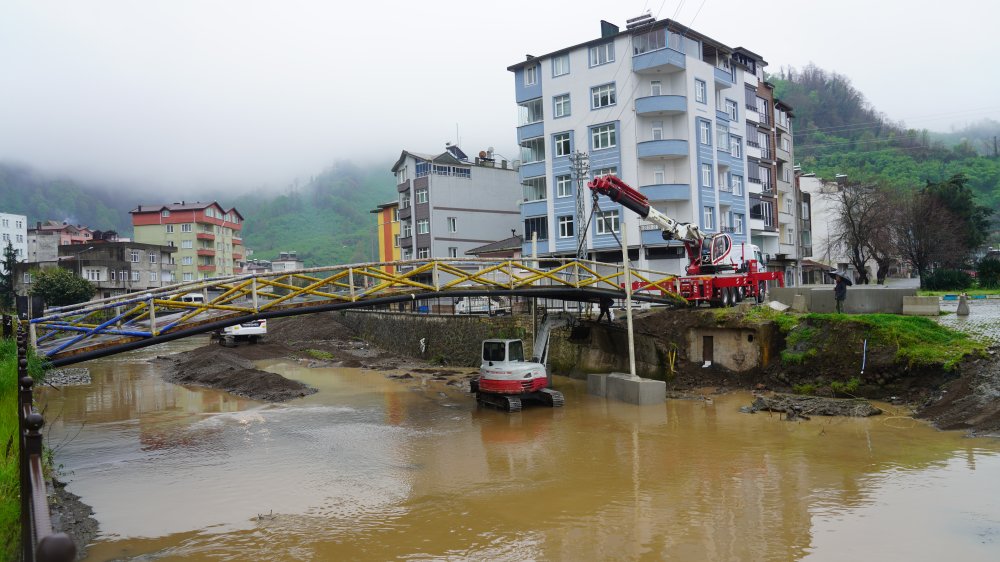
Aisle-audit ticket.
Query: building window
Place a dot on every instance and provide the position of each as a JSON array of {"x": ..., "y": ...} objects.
[
  {"x": 732, "y": 108},
  {"x": 700, "y": 92},
  {"x": 709, "y": 218},
  {"x": 760, "y": 209},
  {"x": 421, "y": 196},
  {"x": 657, "y": 130},
  {"x": 602, "y": 54},
  {"x": 424, "y": 167},
  {"x": 395, "y": 240},
  {"x": 658, "y": 175},
  {"x": 152, "y": 257},
  {"x": 736, "y": 146},
  {"x": 423, "y": 226},
  {"x": 600, "y": 172},
  {"x": 170, "y": 228},
  {"x": 164, "y": 213},
  {"x": 607, "y": 222},
  {"x": 560, "y": 65},
  {"x": 187, "y": 227},
  {"x": 401, "y": 175},
  {"x": 652, "y": 41},
  {"x": 704, "y": 132},
  {"x": 738, "y": 223},
  {"x": 603, "y": 137},
  {"x": 188, "y": 277},
  {"x": 529, "y": 112},
  {"x": 187, "y": 244},
  {"x": 406, "y": 228},
  {"x": 537, "y": 226},
  {"x": 395, "y": 214},
  {"x": 533, "y": 150},
  {"x": 530, "y": 75},
  {"x": 789, "y": 236},
  {"x": 187, "y": 260},
  {"x": 452, "y": 252},
  {"x": 736, "y": 183},
  {"x": 566, "y": 227},
  {"x": 706, "y": 175},
  {"x": 534, "y": 188},
  {"x": 452, "y": 224},
  {"x": 561, "y": 144},
  {"x": 404, "y": 200},
  {"x": 134, "y": 256},
  {"x": 26, "y": 277},
  {"x": 805, "y": 210},
  {"x": 423, "y": 253},
  {"x": 786, "y": 145},
  {"x": 722, "y": 136},
  {"x": 113, "y": 272},
  {"x": 561, "y": 106},
  {"x": 602, "y": 96},
  {"x": 135, "y": 276},
  {"x": 789, "y": 206},
  {"x": 154, "y": 277},
  {"x": 655, "y": 88},
  {"x": 564, "y": 186}
]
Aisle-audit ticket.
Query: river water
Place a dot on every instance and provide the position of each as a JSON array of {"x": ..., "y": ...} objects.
[{"x": 371, "y": 468}]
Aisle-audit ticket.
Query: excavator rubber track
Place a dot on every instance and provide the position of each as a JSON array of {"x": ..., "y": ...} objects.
[
  {"x": 500, "y": 401},
  {"x": 553, "y": 398}
]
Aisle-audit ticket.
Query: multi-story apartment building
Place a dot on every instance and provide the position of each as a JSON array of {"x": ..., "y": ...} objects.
[
  {"x": 659, "y": 106},
  {"x": 13, "y": 230},
  {"x": 387, "y": 234},
  {"x": 287, "y": 261},
  {"x": 208, "y": 238},
  {"x": 449, "y": 205}
]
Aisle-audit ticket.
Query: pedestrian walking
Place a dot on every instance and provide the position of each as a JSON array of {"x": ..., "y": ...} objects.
[{"x": 840, "y": 289}]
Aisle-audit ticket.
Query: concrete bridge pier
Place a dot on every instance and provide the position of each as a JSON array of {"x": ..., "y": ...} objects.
[{"x": 626, "y": 388}]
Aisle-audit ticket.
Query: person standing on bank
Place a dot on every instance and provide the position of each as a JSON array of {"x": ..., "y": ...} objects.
[
  {"x": 840, "y": 293},
  {"x": 605, "y": 304}
]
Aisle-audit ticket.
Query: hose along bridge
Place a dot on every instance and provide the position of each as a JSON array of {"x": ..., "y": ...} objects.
[{"x": 71, "y": 334}]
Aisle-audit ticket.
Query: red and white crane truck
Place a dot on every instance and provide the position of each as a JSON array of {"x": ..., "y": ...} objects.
[{"x": 717, "y": 272}]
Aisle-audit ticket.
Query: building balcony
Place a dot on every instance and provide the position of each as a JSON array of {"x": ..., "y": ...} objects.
[
  {"x": 168, "y": 266},
  {"x": 725, "y": 158},
  {"x": 406, "y": 213},
  {"x": 652, "y": 106},
  {"x": 206, "y": 268},
  {"x": 237, "y": 256},
  {"x": 660, "y": 61},
  {"x": 721, "y": 116},
  {"x": 205, "y": 236},
  {"x": 205, "y": 252},
  {"x": 651, "y": 235},
  {"x": 784, "y": 186},
  {"x": 753, "y": 151},
  {"x": 807, "y": 251},
  {"x": 668, "y": 149},
  {"x": 529, "y": 131},
  {"x": 783, "y": 155},
  {"x": 532, "y": 169},
  {"x": 667, "y": 192},
  {"x": 723, "y": 78},
  {"x": 535, "y": 208},
  {"x": 237, "y": 241},
  {"x": 788, "y": 250}
]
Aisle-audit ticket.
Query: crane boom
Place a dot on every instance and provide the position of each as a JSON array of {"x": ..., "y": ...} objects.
[{"x": 620, "y": 192}]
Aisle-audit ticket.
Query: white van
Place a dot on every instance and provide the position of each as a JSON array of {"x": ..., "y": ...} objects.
[{"x": 196, "y": 298}]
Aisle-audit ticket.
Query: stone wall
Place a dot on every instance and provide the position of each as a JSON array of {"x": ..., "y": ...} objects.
[{"x": 450, "y": 340}]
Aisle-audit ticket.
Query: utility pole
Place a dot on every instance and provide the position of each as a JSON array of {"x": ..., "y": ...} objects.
[{"x": 581, "y": 172}]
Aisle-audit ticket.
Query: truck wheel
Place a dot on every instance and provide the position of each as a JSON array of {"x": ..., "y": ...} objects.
[
  {"x": 741, "y": 293},
  {"x": 727, "y": 297},
  {"x": 761, "y": 291}
]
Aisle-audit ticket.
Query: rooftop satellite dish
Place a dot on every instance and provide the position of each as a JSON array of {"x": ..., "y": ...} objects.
[{"x": 482, "y": 154}]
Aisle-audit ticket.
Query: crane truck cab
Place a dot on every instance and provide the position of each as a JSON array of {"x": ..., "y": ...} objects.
[{"x": 506, "y": 379}]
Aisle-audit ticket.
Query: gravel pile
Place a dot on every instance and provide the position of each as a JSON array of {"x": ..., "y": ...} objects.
[{"x": 68, "y": 377}]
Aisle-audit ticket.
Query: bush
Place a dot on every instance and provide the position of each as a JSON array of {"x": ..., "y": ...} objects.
[
  {"x": 60, "y": 287},
  {"x": 850, "y": 387},
  {"x": 947, "y": 280},
  {"x": 988, "y": 274}
]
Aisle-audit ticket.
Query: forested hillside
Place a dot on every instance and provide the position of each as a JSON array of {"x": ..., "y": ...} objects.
[
  {"x": 25, "y": 192},
  {"x": 327, "y": 221},
  {"x": 837, "y": 131}
]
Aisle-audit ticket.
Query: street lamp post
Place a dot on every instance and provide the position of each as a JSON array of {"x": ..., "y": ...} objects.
[{"x": 79, "y": 266}]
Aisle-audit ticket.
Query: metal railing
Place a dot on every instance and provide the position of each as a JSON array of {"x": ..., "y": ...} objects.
[{"x": 38, "y": 542}]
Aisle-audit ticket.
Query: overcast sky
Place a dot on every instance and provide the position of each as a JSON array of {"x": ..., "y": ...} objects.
[{"x": 238, "y": 94}]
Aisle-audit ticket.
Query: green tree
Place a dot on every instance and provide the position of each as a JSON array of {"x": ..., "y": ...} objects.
[
  {"x": 60, "y": 287},
  {"x": 7, "y": 277},
  {"x": 972, "y": 219}
]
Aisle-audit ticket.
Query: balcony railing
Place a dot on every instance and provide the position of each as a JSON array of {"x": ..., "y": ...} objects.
[
  {"x": 206, "y": 268},
  {"x": 205, "y": 236},
  {"x": 205, "y": 252}
]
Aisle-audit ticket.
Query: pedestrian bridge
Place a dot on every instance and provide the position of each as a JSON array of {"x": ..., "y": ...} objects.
[{"x": 108, "y": 326}]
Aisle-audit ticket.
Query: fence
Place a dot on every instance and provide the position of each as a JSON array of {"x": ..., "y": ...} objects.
[{"x": 38, "y": 542}]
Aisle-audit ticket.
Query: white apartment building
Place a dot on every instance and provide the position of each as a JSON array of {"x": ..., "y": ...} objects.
[
  {"x": 13, "y": 229},
  {"x": 449, "y": 205},
  {"x": 665, "y": 108}
]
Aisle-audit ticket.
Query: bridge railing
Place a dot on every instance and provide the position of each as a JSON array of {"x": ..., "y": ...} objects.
[
  {"x": 38, "y": 542},
  {"x": 232, "y": 299}
]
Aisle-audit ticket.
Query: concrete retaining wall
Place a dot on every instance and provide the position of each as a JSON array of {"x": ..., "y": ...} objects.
[
  {"x": 735, "y": 349},
  {"x": 861, "y": 299},
  {"x": 921, "y": 306}
]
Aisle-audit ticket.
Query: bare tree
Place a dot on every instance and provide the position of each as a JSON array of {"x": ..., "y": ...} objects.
[
  {"x": 926, "y": 232},
  {"x": 856, "y": 212},
  {"x": 881, "y": 240}
]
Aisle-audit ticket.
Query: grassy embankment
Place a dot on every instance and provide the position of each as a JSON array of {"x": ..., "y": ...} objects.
[
  {"x": 970, "y": 292},
  {"x": 10, "y": 503}
]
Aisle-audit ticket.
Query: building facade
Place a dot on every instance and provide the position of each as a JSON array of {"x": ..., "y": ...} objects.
[
  {"x": 287, "y": 261},
  {"x": 208, "y": 238},
  {"x": 449, "y": 204},
  {"x": 14, "y": 230},
  {"x": 668, "y": 110},
  {"x": 387, "y": 234}
]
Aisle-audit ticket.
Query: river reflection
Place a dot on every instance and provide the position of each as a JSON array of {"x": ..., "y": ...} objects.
[{"x": 374, "y": 469}]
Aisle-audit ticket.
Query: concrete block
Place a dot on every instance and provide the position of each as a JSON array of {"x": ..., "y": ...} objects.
[
  {"x": 597, "y": 384},
  {"x": 777, "y": 306},
  {"x": 799, "y": 303},
  {"x": 641, "y": 392},
  {"x": 921, "y": 306}
]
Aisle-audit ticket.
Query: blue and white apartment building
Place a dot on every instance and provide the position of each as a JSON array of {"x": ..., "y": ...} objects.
[{"x": 666, "y": 109}]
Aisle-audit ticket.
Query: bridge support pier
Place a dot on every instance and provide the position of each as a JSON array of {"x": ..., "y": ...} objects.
[{"x": 625, "y": 388}]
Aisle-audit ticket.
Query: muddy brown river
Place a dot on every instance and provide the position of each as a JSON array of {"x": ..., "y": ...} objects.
[{"x": 370, "y": 468}]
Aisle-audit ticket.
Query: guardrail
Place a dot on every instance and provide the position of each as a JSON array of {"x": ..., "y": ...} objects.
[{"x": 38, "y": 542}]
